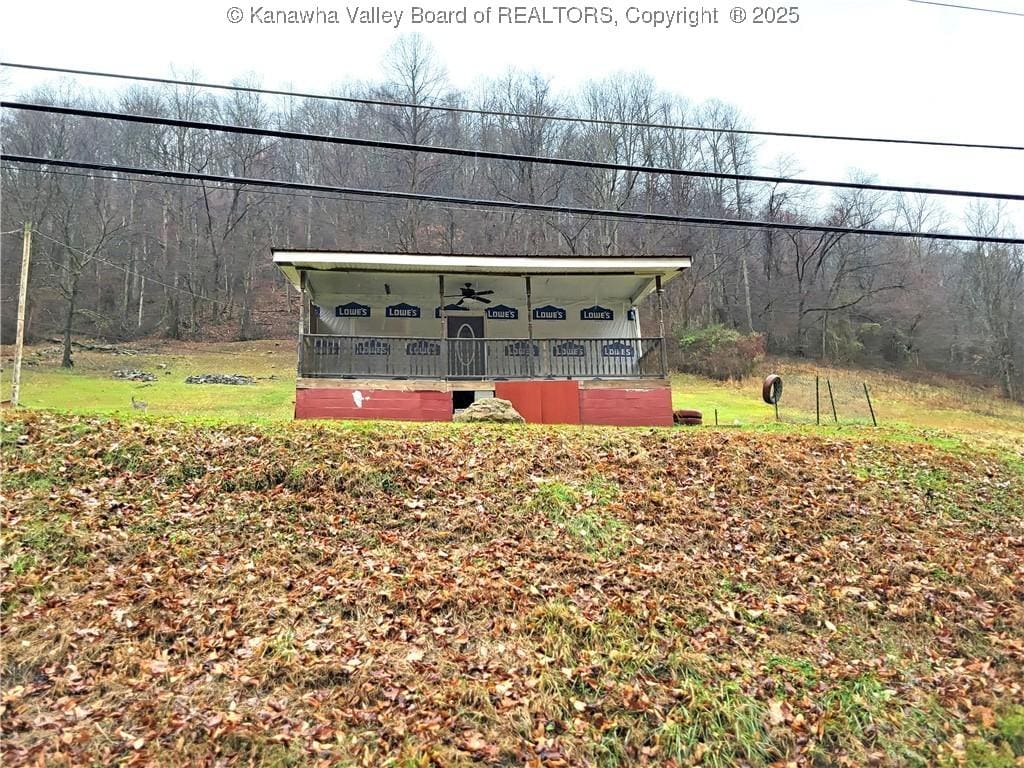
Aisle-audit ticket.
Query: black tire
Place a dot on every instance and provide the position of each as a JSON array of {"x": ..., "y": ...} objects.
[
  {"x": 685, "y": 414},
  {"x": 690, "y": 422},
  {"x": 771, "y": 390}
]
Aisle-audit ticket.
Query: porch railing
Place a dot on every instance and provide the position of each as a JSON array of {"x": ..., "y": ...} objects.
[{"x": 327, "y": 356}]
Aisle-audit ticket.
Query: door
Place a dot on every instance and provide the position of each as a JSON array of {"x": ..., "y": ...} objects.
[{"x": 466, "y": 353}]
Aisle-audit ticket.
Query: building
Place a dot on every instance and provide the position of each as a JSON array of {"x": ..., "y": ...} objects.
[{"x": 417, "y": 336}]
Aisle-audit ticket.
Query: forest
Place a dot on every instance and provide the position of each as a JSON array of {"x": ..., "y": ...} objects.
[{"x": 123, "y": 257}]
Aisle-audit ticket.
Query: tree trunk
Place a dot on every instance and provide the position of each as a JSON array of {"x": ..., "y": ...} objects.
[{"x": 69, "y": 318}]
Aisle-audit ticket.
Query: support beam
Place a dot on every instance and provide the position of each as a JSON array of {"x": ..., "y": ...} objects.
[
  {"x": 444, "y": 326},
  {"x": 529, "y": 326},
  {"x": 661, "y": 323},
  {"x": 303, "y": 319}
]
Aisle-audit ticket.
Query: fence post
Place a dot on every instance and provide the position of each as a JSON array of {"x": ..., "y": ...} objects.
[
  {"x": 817, "y": 400},
  {"x": 832, "y": 399},
  {"x": 871, "y": 408}
]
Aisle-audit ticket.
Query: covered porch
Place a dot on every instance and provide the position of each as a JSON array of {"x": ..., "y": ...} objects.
[
  {"x": 455, "y": 323},
  {"x": 411, "y": 316}
]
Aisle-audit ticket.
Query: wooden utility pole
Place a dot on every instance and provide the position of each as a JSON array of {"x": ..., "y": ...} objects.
[{"x": 19, "y": 339}]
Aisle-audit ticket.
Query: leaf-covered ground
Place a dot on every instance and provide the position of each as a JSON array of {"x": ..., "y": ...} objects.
[{"x": 414, "y": 595}]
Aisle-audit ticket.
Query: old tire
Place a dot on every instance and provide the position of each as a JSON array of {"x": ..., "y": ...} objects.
[
  {"x": 690, "y": 422},
  {"x": 771, "y": 390},
  {"x": 685, "y": 414}
]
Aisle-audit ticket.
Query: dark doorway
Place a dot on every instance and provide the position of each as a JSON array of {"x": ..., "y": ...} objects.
[
  {"x": 466, "y": 347},
  {"x": 462, "y": 400}
]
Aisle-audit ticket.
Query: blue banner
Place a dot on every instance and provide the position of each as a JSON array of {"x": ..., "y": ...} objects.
[
  {"x": 373, "y": 347},
  {"x": 568, "y": 349},
  {"x": 596, "y": 313},
  {"x": 423, "y": 348},
  {"x": 618, "y": 349},
  {"x": 521, "y": 348},
  {"x": 549, "y": 313},
  {"x": 402, "y": 310},
  {"x": 631, "y": 315},
  {"x": 352, "y": 309},
  {"x": 501, "y": 312}
]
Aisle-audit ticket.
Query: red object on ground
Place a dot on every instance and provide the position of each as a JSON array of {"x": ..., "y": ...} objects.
[
  {"x": 543, "y": 402},
  {"x": 627, "y": 407},
  {"x": 330, "y": 403}
]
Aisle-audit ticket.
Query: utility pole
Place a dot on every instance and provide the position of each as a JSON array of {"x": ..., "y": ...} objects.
[{"x": 19, "y": 340}]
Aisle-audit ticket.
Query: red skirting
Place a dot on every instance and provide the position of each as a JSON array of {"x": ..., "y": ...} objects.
[
  {"x": 627, "y": 407},
  {"x": 539, "y": 402},
  {"x": 543, "y": 402},
  {"x": 329, "y": 403}
]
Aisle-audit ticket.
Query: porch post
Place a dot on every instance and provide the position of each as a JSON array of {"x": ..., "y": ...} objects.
[
  {"x": 661, "y": 324},
  {"x": 303, "y": 320},
  {"x": 529, "y": 327},
  {"x": 444, "y": 327}
]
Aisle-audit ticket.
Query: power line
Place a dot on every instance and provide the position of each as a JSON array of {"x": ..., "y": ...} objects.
[
  {"x": 480, "y": 154},
  {"x": 967, "y": 7},
  {"x": 516, "y": 115},
  {"x": 511, "y": 205},
  {"x": 132, "y": 272},
  {"x": 335, "y": 197}
]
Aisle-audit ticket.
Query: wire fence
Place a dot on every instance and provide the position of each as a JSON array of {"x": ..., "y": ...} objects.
[
  {"x": 811, "y": 399},
  {"x": 806, "y": 398}
]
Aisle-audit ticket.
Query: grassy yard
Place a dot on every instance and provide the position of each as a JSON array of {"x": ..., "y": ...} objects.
[{"x": 90, "y": 388}]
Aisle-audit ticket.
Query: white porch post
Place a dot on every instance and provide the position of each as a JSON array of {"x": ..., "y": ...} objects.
[
  {"x": 661, "y": 324},
  {"x": 444, "y": 327},
  {"x": 529, "y": 327},
  {"x": 303, "y": 319}
]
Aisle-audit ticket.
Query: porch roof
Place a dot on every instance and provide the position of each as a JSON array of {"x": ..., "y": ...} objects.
[{"x": 290, "y": 262}]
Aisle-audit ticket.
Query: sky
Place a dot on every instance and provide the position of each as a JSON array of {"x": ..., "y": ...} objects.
[{"x": 891, "y": 68}]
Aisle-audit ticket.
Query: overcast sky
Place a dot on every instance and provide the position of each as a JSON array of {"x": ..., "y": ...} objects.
[{"x": 871, "y": 67}]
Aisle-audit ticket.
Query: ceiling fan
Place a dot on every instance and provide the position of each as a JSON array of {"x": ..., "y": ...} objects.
[{"x": 468, "y": 292}]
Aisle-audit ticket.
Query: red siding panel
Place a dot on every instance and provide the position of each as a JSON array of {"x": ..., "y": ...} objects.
[
  {"x": 525, "y": 397},
  {"x": 543, "y": 402},
  {"x": 325, "y": 403},
  {"x": 627, "y": 407}
]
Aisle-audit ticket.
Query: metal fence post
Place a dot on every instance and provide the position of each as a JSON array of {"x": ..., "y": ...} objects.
[{"x": 871, "y": 408}]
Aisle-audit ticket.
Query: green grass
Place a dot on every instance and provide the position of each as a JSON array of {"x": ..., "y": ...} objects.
[
  {"x": 946, "y": 414},
  {"x": 90, "y": 387},
  {"x": 582, "y": 512}
]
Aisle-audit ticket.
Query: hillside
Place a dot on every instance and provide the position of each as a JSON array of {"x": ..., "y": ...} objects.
[{"x": 313, "y": 594}]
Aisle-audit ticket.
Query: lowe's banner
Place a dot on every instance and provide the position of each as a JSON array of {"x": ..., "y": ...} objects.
[
  {"x": 549, "y": 313},
  {"x": 618, "y": 349},
  {"x": 352, "y": 309},
  {"x": 501, "y": 312},
  {"x": 597, "y": 313},
  {"x": 402, "y": 310}
]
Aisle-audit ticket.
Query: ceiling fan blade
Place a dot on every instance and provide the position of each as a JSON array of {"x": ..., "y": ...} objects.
[
  {"x": 484, "y": 293},
  {"x": 480, "y": 298}
]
